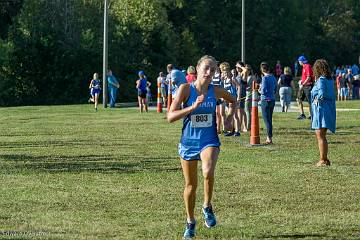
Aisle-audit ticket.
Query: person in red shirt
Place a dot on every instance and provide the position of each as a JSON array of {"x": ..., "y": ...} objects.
[
  {"x": 191, "y": 74},
  {"x": 306, "y": 84},
  {"x": 338, "y": 79}
]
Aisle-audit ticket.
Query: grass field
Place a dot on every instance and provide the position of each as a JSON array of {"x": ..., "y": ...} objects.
[{"x": 67, "y": 172}]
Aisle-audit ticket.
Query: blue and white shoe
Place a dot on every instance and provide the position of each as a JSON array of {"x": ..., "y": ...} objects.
[
  {"x": 228, "y": 134},
  {"x": 189, "y": 230},
  {"x": 210, "y": 219}
]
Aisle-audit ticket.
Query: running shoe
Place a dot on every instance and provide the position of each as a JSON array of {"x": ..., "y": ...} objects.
[
  {"x": 210, "y": 219},
  {"x": 236, "y": 134},
  {"x": 228, "y": 134},
  {"x": 189, "y": 230},
  {"x": 301, "y": 117}
]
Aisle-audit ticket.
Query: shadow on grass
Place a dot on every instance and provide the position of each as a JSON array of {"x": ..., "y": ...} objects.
[
  {"x": 88, "y": 163},
  {"x": 58, "y": 143},
  {"x": 295, "y": 236}
]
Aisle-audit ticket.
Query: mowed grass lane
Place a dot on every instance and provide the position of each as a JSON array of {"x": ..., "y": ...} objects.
[{"x": 68, "y": 172}]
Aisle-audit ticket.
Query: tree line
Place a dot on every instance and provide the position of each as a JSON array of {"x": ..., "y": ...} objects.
[{"x": 49, "y": 49}]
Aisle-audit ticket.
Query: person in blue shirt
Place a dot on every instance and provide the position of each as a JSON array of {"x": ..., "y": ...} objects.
[
  {"x": 141, "y": 85},
  {"x": 95, "y": 89},
  {"x": 113, "y": 86},
  {"x": 176, "y": 78},
  {"x": 267, "y": 98},
  {"x": 355, "y": 69},
  {"x": 195, "y": 103},
  {"x": 323, "y": 108}
]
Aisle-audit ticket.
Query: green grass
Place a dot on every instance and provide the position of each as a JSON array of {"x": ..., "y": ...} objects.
[{"x": 67, "y": 172}]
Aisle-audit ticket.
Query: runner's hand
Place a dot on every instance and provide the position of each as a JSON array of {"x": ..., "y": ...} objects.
[{"x": 199, "y": 100}]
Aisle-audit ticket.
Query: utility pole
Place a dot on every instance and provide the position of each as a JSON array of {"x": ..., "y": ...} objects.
[
  {"x": 243, "y": 31},
  {"x": 105, "y": 52}
]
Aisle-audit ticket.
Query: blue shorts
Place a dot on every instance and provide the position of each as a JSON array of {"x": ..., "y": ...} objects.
[
  {"x": 242, "y": 104},
  {"x": 190, "y": 153},
  {"x": 344, "y": 92},
  {"x": 94, "y": 91}
]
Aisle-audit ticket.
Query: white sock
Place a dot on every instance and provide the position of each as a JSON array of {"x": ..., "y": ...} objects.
[
  {"x": 206, "y": 205},
  {"x": 191, "y": 221}
]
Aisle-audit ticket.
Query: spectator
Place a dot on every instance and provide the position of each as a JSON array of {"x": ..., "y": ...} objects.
[
  {"x": 306, "y": 84},
  {"x": 241, "y": 78},
  {"x": 356, "y": 87},
  {"x": 286, "y": 86},
  {"x": 113, "y": 86},
  {"x": 296, "y": 68},
  {"x": 338, "y": 79},
  {"x": 344, "y": 87},
  {"x": 162, "y": 80},
  {"x": 267, "y": 98},
  {"x": 220, "y": 106},
  {"x": 355, "y": 69},
  {"x": 278, "y": 69},
  {"x": 148, "y": 93},
  {"x": 248, "y": 100},
  {"x": 141, "y": 85},
  {"x": 176, "y": 78},
  {"x": 323, "y": 108},
  {"x": 232, "y": 86},
  {"x": 191, "y": 74}
]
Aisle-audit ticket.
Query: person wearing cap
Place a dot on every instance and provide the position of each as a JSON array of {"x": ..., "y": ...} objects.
[
  {"x": 176, "y": 77},
  {"x": 141, "y": 85},
  {"x": 306, "y": 83},
  {"x": 113, "y": 86}
]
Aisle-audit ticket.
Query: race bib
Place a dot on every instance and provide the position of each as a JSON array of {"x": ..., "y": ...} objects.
[{"x": 201, "y": 120}]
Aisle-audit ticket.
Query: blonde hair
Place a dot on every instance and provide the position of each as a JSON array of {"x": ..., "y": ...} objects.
[
  {"x": 191, "y": 70},
  {"x": 205, "y": 57},
  {"x": 287, "y": 70},
  {"x": 224, "y": 67}
]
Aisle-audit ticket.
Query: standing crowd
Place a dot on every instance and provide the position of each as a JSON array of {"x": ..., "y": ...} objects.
[{"x": 214, "y": 99}]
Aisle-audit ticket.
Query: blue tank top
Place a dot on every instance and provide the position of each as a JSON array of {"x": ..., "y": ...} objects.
[
  {"x": 230, "y": 87},
  {"x": 199, "y": 127},
  {"x": 96, "y": 84},
  {"x": 143, "y": 86}
]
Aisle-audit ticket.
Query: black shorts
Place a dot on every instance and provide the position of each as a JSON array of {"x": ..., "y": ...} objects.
[
  {"x": 142, "y": 94},
  {"x": 219, "y": 101},
  {"x": 305, "y": 93}
]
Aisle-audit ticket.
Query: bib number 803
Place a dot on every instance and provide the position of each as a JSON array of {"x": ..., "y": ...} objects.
[{"x": 201, "y": 118}]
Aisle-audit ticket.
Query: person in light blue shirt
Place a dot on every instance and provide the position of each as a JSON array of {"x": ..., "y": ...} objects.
[
  {"x": 176, "y": 77},
  {"x": 267, "y": 98},
  {"x": 355, "y": 69},
  {"x": 113, "y": 86},
  {"x": 323, "y": 108}
]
